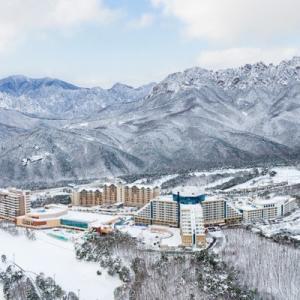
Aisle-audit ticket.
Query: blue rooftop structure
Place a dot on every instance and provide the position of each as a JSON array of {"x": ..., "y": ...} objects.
[{"x": 188, "y": 195}]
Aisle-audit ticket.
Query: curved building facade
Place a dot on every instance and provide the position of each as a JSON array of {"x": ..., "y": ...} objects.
[{"x": 188, "y": 195}]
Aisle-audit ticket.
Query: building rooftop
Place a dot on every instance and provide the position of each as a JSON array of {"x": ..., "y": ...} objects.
[
  {"x": 272, "y": 200},
  {"x": 188, "y": 191},
  {"x": 13, "y": 190},
  {"x": 56, "y": 212},
  {"x": 167, "y": 198},
  {"x": 89, "y": 189},
  {"x": 214, "y": 198}
]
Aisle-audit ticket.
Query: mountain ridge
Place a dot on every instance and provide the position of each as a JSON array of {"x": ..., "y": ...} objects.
[{"x": 191, "y": 119}]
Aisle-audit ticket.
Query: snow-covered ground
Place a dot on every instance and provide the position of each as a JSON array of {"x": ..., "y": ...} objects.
[
  {"x": 220, "y": 241},
  {"x": 160, "y": 181},
  {"x": 57, "y": 258},
  {"x": 218, "y": 182},
  {"x": 289, "y": 225},
  {"x": 271, "y": 268},
  {"x": 174, "y": 240},
  {"x": 220, "y": 171},
  {"x": 156, "y": 182},
  {"x": 34, "y": 158},
  {"x": 1, "y": 292},
  {"x": 89, "y": 217},
  {"x": 291, "y": 175},
  {"x": 153, "y": 236}
]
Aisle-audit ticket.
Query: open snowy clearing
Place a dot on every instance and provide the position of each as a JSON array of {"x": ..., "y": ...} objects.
[
  {"x": 57, "y": 258},
  {"x": 153, "y": 236},
  {"x": 291, "y": 175}
]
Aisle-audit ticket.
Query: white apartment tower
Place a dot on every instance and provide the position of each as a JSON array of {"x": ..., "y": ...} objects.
[{"x": 192, "y": 225}]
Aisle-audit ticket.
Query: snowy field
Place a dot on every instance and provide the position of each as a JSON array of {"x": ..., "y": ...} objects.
[
  {"x": 157, "y": 182},
  {"x": 220, "y": 171},
  {"x": 57, "y": 258},
  {"x": 218, "y": 182},
  {"x": 283, "y": 174},
  {"x": 291, "y": 175}
]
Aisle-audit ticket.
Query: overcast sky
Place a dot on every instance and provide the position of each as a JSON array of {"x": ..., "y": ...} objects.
[{"x": 100, "y": 42}]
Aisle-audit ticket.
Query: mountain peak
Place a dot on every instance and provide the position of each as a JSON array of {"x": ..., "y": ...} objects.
[
  {"x": 18, "y": 85},
  {"x": 248, "y": 76},
  {"x": 121, "y": 86}
]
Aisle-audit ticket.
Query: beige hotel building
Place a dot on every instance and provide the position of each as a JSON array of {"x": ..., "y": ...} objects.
[
  {"x": 130, "y": 195},
  {"x": 14, "y": 203}
]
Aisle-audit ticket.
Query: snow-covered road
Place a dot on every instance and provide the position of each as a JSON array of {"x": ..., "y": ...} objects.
[{"x": 220, "y": 241}]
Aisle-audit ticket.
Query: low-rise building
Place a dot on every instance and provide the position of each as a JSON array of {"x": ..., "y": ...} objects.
[
  {"x": 14, "y": 203},
  {"x": 255, "y": 209},
  {"x": 52, "y": 216},
  {"x": 42, "y": 218}
]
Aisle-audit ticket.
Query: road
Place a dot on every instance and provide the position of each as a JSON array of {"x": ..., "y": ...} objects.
[{"x": 219, "y": 241}]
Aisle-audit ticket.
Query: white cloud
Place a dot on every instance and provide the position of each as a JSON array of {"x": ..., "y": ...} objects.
[
  {"x": 143, "y": 21},
  {"x": 235, "y": 20},
  {"x": 21, "y": 17},
  {"x": 235, "y": 57}
]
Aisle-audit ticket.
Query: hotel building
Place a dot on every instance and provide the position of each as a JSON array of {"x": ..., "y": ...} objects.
[
  {"x": 129, "y": 195},
  {"x": 190, "y": 210},
  {"x": 112, "y": 193},
  {"x": 162, "y": 210},
  {"x": 264, "y": 209},
  {"x": 181, "y": 210},
  {"x": 138, "y": 195},
  {"x": 14, "y": 203},
  {"x": 218, "y": 211},
  {"x": 87, "y": 197}
]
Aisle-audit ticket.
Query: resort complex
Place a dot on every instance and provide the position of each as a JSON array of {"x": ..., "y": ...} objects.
[
  {"x": 189, "y": 209},
  {"x": 102, "y": 208}
]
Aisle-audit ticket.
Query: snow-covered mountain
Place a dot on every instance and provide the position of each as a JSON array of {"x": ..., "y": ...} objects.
[
  {"x": 192, "y": 119},
  {"x": 54, "y": 98}
]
